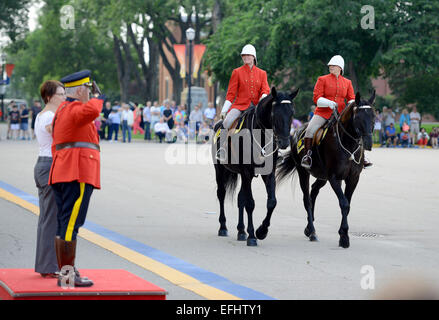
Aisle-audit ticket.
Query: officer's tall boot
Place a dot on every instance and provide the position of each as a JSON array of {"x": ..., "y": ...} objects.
[
  {"x": 307, "y": 160},
  {"x": 65, "y": 254}
]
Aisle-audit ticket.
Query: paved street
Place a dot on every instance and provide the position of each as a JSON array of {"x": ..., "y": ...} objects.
[{"x": 149, "y": 197}]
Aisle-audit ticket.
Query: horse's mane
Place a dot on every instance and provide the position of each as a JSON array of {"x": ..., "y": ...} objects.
[{"x": 346, "y": 114}]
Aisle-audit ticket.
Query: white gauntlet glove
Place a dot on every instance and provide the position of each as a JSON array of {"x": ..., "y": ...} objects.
[
  {"x": 326, "y": 103},
  {"x": 225, "y": 108}
]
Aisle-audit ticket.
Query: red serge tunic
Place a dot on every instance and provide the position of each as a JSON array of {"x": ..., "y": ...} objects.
[
  {"x": 334, "y": 89},
  {"x": 73, "y": 122},
  {"x": 247, "y": 85}
]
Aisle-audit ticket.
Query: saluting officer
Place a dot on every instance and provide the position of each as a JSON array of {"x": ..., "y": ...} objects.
[{"x": 75, "y": 170}]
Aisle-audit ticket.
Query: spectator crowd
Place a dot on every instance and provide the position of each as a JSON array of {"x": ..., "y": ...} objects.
[
  {"x": 171, "y": 123},
  {"x": 168, "y": 122}
]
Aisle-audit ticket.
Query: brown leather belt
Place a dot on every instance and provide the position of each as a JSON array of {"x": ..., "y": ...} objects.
[{"x": 78, "y": 144}]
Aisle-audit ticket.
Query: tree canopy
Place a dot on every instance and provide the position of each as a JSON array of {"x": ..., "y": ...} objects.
[{"x": 122, "y": 42}]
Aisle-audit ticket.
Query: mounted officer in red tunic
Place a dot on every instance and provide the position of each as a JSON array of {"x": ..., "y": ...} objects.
[
  {"x": 75, "y": 170},
  {"x": 247, "y": 86},
  {"x": 330, "y": 92}
]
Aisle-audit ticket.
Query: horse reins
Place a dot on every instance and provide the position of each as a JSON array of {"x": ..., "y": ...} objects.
[
  {"x": 357, "y": 140},
  {"x": 263, "y": 128}
]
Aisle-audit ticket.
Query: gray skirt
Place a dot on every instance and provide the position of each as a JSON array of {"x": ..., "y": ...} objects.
[{"x": 45, "y": 260}]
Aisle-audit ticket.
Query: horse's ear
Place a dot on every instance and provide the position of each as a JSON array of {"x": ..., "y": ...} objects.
[
  {"x": 274, "y": 92},
  {"x": 357, "y": 98},
  {"x": 294, "y": 94},
  {"x": 372, "y": 98}
]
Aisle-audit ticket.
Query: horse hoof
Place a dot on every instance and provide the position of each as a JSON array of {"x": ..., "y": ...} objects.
[
  {"x": 242, "y": 236},
  {"x": 222, "y": 233},
  {"x": 307, "y": 232},
  {"x": 252, "y": 242},
  {"x": 313, "y": 237},
  {"x": 261, "y": 233},
  {"x": 344, "y": 242}
]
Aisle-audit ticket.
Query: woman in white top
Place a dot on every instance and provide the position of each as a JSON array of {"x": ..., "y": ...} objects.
[{"x": 46, "y": 263}]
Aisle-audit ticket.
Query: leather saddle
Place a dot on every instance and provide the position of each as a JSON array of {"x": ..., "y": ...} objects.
[
  {"x": 318, "y": 136},
  {"x": 236, "y": 126}
]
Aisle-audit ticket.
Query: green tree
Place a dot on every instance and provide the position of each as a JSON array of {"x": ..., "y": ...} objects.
[
  {"x": 295, "y": 40},
  {"x": 12, "y": 17},
  {"x": 51, "y": 52}
]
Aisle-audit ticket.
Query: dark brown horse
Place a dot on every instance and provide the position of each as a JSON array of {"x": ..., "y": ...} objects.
[
  {"x": 253, "y": 152},
  {"x": 338, "y": 158}
]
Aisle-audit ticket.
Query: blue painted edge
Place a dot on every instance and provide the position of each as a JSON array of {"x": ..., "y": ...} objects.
[{"x": 200, "y": 274}]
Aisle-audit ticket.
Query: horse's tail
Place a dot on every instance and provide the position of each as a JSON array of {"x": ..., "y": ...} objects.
[
  {"x": 286, "y": 168},
  {"x": 230, "y": 182}
]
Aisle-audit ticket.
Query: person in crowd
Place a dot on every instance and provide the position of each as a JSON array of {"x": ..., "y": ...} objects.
[
  {"x": 180, "y": 114},
  {"x": 35, "y": 110},
  {"x": 168, "y": 115},
  {"x": 377, "y": 129},
  {"x": 392, "y": 138},
  {"x": 182, "y": 131},
  {"x": 389, "y": 117},
  {"x": 161, "y": 128},
  {"x": 383, "y": 127},
  {"x": 204, "y": 132},
  {"x": 163, "y": 107},
  {"x": 53, "y": 94},
  {"x": 24, "y": 123},
  {"x": 196, "y": 117},
  {"x": 423, "y": 138},
  {"x": 404, "y": 137},
  {"x": 105, "y": 127},
  {"x": 415, "y": 119},
  {"x": 142, "y": 122},
  {"x": 127, "y": 120},
  {"x": 404, "y": 117},
  {"x": 147, "y": 120},
  {"x": 14, "y": 118},
  {"x": 137, "y": 118},
  {"x": 434, "y": 135},
  {"x": 114, "y": 122},
  {"x": 155, "y": 114},
  {"x": 210, "y": 114}
]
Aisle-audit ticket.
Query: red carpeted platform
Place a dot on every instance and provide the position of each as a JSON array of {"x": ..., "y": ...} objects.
[{"x": 26, "y": 284}]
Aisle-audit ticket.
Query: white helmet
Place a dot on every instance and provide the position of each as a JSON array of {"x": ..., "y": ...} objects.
[
  {"x": 249, "y": 49},
  {"x": 337, "y": 61}
]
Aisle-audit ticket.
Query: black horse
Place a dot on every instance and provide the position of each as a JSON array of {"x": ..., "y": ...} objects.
[
  {"x": 263, "y": 130},
  {"x": 340, "y": 156}
]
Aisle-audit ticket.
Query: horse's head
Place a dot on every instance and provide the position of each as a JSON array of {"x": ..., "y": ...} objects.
[
  {"x": 363, "y": 119},
  {"x": 282, "y": 116}
]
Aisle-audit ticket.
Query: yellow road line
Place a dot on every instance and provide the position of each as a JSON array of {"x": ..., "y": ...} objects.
[{"x": 170, "y": 274}]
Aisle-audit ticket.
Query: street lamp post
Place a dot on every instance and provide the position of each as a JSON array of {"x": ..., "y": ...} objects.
[{"x": 190, "y": 35}]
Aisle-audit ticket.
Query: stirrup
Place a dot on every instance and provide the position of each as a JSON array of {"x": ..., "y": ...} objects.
[
  {"x": 218, "y": 154},
  {"x": 367, "y": 164},
  {"x": 307, "y": 161}
]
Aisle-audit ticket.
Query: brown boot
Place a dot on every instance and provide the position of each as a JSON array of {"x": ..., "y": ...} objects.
[
  {"x": 65, "y": 254},
  {"x": 307, "y": 160}
]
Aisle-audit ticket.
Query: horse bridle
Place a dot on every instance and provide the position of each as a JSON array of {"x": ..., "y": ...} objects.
[
  {"x": 358, "y": 141},
  {"x": 264, "y": 128}
]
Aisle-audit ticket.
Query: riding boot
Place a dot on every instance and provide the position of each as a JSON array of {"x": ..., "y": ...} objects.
[
  {"x": 307, "y": 160},
  {"x": 65, "y": 254}
]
